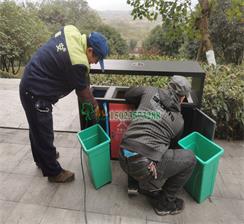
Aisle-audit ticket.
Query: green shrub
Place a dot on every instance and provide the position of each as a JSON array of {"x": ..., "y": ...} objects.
[
  {"x": 223, "y": 100},
  {"x": 4, "y": 74},
  {"x": 127, "y": 80}
]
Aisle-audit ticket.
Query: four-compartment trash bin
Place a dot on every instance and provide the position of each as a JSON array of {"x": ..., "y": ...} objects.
[{"x": 195, "y": 119}]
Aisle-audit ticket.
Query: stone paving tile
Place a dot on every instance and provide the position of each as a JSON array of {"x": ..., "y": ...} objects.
[
  {"x": 11, "y": 155},
  {"x": 118, "y": 176},
  {"x": 12, "y": 152},
  {"x": 14, "y": 136},
  {"x": 68, "y": 195},
  {"x": 64, "y": 112},
  {"x": 232, "y": 148},
  {"x": 239, "y": 211},
  {"x": 229, "y": 186},
  {"x": 3, "y": 176},
  {"x": 21, "y": 137},
  {"x": 8, "y": 166},
  {"x": 74, "y": 124},
  {"x": 96, "y": 218},
  {"x": 68, "y": 152},
  {"x": 13, "y": 114},
  {"x": 65, "y": 156},
  {"x": 26, "y": 214},
  {"x": 152, "y": 222},
  {"x": 64, "y": 216},
  {"x": 67, "y": 140},
  {"x": 6, "y": 83},
  {"x": 113, "y": 200},
  {"x": 227, "y": 210},
  {"x": 39, "y": 192},
  {"x": 230, "y": 165},
  {"x": 27, "y": 166},
  {"x": 75, "y": 166},
  {"x": 61, "y": 216},
  {"x": 6, "y": 207},
  {"x": 14, "y": 187}
]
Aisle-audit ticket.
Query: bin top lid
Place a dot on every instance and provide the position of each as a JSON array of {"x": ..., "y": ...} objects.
[{"x": 149, "y": 67}]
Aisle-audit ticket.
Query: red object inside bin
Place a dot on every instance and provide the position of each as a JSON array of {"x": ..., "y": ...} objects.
[{"x": 119, "y": 120}]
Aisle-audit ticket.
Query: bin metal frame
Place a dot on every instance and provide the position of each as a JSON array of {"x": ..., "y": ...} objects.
[
  {"x": 158, "y": 68},
  {"x": 195, "y": 119}
]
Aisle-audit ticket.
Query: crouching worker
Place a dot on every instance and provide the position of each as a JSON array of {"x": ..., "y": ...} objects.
[
  {"x": 57, "y": 68},
  {"x": 146, "y": 155}
]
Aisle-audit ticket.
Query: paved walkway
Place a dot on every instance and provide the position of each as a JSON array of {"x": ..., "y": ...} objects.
[
  {"x": 65, "y": 112},
  {"x": 28, "y": 198}
]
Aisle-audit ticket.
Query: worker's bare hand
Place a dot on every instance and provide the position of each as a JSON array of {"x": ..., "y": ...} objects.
[{"x": 152, "y": 168}]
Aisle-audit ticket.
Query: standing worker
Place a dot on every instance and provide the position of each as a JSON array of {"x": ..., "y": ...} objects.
[
  {"x": 57, "y": 68},
  {"x": 146, "y": 154}
]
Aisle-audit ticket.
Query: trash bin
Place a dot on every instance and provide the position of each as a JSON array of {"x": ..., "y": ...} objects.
[
  {"x": 201, "y": 183},
  {"x": 95, "y": 143}
]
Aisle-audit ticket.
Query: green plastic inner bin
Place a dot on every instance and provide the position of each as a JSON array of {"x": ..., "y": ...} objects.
[
  {"x": 95, "y": 143},
  {"x": 201, "y": 183}
]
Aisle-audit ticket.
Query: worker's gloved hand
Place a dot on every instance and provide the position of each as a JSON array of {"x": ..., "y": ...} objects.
[
  {"x": 89, "y": 113},
  {"x": 94, "y": 115},
  {"x": 152, "y": 168}
]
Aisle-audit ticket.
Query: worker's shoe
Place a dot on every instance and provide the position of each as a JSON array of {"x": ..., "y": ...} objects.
[
  {"x": 151, "y": 194},
  {"x": 63, "y": 177},
  {"x": 163, "y": 206}
]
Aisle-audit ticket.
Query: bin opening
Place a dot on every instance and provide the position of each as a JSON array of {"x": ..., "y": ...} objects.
[
  {"x": 92, "y": 137},
  {"x": 99, "y": 92},
  {"x": 119, "y": 93},
  {"x": 198, "y": 149},
  {"x": 203, "y": 148},
  {"x": 201, "y": 183}
]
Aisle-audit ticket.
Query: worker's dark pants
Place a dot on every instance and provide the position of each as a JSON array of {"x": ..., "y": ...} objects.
[
  {"x": 39, "y": 115},
  {"x": 172, "y": 172}
]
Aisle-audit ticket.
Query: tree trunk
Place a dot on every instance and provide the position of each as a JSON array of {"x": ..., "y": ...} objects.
[{"x": 202, "y": 24}]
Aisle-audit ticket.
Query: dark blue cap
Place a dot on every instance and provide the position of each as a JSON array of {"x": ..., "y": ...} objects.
[{"x": 99, "y": 44}]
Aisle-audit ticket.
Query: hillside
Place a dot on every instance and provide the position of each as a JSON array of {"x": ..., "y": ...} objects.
[{"x": 124, "y": 23}]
